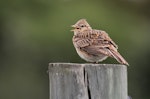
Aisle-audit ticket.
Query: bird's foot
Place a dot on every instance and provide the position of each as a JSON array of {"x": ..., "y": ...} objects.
[{"x": 95, "y": 62}]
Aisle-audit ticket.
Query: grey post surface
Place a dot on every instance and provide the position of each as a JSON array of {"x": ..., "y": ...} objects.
[{"x": 87, "y": 81}]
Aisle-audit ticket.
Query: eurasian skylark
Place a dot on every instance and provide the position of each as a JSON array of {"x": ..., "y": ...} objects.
[{"x": 94, "y": 45}]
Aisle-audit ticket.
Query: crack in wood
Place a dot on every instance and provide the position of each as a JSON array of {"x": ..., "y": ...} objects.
[{"x": 86, "y": 82}]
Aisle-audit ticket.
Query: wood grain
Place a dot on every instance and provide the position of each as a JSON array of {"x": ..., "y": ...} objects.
[{"x": 87, "y": 81}]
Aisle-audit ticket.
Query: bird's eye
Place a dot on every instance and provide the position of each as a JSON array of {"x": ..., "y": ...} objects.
[{"x": 82, "y": 26}]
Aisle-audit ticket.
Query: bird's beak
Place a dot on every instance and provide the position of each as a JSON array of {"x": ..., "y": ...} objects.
[{"x": 73, "y": 27}]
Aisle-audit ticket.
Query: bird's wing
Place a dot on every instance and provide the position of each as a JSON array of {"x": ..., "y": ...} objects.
[
  {"x": 97, "y": 50},
  {"x": 103, "y": 38},
  {"x": 103, "y": 44},
  {"x": 94, "y": 42},
  {"x": 81, "y": 42}
]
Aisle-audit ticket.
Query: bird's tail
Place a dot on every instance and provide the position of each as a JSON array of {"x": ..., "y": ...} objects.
[{"x": 118, "y": 57}]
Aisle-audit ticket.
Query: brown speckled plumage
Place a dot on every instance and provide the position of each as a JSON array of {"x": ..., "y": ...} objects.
[{"x": 94, "y": 45}]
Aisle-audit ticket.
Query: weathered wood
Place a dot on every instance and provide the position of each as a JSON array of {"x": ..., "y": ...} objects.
[{"x": 87, "y": 81}]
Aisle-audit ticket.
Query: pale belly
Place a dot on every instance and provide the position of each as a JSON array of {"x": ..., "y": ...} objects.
[{"x": 89, "y": 57}]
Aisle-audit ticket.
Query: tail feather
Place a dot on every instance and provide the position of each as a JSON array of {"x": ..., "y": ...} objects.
[{"x": 118, "y": 57}]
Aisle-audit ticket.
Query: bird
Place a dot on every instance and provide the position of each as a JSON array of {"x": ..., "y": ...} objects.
[{"x": 94, "y": 45}]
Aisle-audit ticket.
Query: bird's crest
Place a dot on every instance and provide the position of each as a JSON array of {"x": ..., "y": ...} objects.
[{"x": 81, "y": 22}]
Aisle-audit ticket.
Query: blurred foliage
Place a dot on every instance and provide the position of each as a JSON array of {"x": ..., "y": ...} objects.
[{"x": 36, "y": 32}]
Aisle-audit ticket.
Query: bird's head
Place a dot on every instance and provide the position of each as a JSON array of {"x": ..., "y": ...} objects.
[{"x": 81, "y": 26}]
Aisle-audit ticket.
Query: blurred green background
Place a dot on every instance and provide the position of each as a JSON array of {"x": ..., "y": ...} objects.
[{"x": 34, "y": 33}]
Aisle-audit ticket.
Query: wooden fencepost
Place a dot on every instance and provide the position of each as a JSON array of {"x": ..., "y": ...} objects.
[{"x": 87, "y": 81}]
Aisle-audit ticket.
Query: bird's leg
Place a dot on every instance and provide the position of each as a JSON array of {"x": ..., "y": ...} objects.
[{"x": 95, "y": 62}]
